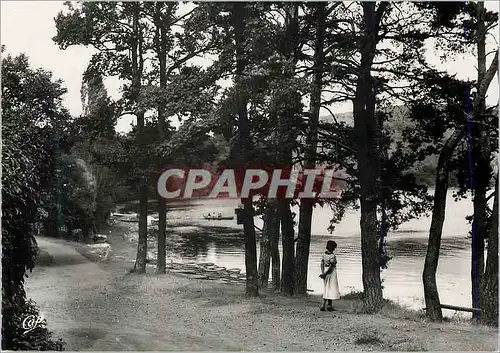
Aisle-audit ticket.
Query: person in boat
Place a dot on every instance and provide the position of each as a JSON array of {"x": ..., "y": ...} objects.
[
  {"x": 329, "y": 275},
  {"x": 220, "y": 215}
]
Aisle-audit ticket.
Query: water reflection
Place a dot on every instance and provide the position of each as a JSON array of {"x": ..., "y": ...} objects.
[
  {"x": 192, "y": 238},
  {"x": 199, "y": 243},
  {"x": 407, "y": 246},
  {"x": 133, "y": 207}
]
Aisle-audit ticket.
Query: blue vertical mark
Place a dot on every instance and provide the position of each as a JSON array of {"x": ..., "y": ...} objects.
[
  {"x": 475, "y": 284},
  {"x": 382, "y": 224}
]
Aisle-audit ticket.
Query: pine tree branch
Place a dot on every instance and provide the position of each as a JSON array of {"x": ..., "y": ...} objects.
[{"x": 488, "y": 77}]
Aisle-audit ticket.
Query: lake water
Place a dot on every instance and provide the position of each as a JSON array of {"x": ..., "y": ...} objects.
[{"x": 192, "y": 238}]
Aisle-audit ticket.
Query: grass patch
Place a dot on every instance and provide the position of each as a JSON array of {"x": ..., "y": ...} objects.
[
  {"x": 390, "y": 309},
  {"x": 459, "y": 317},
  {"x": 395, "y": 310},
  {"x": 353, "y": 295},
  {"x": 368, "y": 338},
  {"x": 408, "y": 346},
  {"x": 398, "y": 311}
]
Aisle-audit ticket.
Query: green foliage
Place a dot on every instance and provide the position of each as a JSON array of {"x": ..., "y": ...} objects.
[
  {"x": 407, "y": 135},
  {"x": 33, "y": 123},
  {"x": 99, "y": 25},
  {"x": 72, "y": 193},
  {"x": 187, "y": 96},
  {"x": 15, "y": 337},
  {"x": 98, "y": 110},
  {"x": 97, "y": 157}
]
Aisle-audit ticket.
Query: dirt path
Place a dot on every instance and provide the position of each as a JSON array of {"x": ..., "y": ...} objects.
[{"x": 97, "y": 305}]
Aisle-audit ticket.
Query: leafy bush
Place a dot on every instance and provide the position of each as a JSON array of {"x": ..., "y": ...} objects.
[
  {"x": 15, "y": 337},
  {"x": 32, "y": 128}
]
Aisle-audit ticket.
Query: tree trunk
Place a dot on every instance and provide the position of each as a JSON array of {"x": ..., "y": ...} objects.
[
  {"x": 303, "y": 246},
  {"x": 275, "y": 252},
  {"x": 265, "y": 246},
  {"x": 142, "y": 245},
  {"x": 431, "y": 294},
  {"x": 161, "y": 262},
  {"x": 489, "y": 313},
  {"x": 287, "y": 278},
  {"x": 287, "y": 111},
  {"x": 137, "y": 70},
  {"x": 481, "y": 170},
  {"x": 161, "y": 52},
  {"x": 306, "y": 205},
  {"x": 252, "y": 278},
  {"x": 86, "y": 233},
  {"x": 368, "y": 159},
  {"x": 372, "y": 286},
  {"x": 478, "y": 230}
]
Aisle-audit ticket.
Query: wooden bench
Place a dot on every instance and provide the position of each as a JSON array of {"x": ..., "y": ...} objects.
[{"x": 459, "y": 308}]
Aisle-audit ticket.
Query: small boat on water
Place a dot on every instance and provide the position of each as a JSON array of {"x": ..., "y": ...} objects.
[
  {"x": 218, "y": 218},
  {"x": 134, "y": 218},
  {"x": 126, "y": 217}
]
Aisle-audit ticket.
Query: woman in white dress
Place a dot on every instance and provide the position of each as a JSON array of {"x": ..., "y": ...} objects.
[{"x": 329, "y": 276}]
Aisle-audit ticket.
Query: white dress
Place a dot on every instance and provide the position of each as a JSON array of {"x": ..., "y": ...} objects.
[{"x": 331, "y": 282}]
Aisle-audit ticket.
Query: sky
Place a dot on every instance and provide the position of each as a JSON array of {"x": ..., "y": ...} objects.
[{"x": 28, "y": 27}]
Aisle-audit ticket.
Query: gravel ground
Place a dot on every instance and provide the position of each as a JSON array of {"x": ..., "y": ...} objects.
[{"x": 98, "y": 305}]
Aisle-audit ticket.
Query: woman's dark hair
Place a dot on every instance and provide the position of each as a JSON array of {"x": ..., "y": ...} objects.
[{"x": 331, "y": 245}]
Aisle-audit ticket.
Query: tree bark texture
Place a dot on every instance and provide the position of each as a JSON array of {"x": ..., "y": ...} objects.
[
  {"x": 252, "y": 278},
  {"x": 431, "y": 294},
  {"x": 481, "y": 152},
  {"x": 265, "y": 245},
  {"x": 287, "y": 277},
  {"x": 306, "y": 205},
  {"x": 489, "y": 313},
  {"x": 275, "y": 252},
  {"x": 142, "y": 244},
  {"x": 137, "y": 70},
  {"x": 368, "y": 159},
  {"x": 161, "y": 52}
]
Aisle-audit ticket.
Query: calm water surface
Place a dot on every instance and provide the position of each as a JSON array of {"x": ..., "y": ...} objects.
[{"x": 192, "y": 238}]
